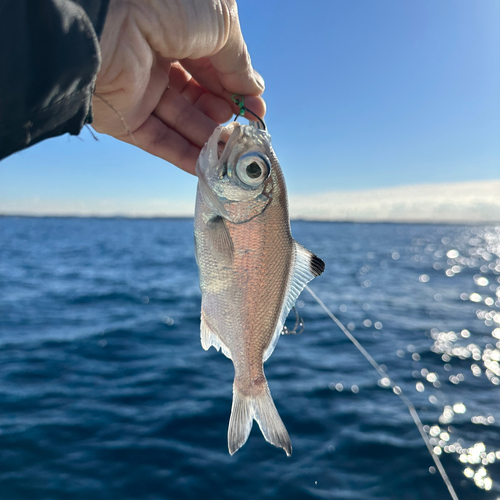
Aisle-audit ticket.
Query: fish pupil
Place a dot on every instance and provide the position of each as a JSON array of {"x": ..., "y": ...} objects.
[{"x": 254, "y": 171}]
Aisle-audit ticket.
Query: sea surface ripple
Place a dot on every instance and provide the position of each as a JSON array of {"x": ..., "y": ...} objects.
[{"x": 106, "y": 393}]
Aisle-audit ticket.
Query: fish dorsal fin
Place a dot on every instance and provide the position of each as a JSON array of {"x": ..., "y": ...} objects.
[
  {"x": 220, "y": 239},
  {"x": 209, "y": 338},
  {"x": 306, "y": 267}
]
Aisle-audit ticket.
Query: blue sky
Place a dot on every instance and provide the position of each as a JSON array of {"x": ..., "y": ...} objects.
[{"x": 361, "y": 94}]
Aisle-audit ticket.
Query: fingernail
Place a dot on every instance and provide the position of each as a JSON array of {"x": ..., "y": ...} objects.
[{"x": 259, "y": 80}]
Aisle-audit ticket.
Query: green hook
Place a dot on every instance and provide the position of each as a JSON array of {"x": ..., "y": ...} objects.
[{"x": 239, "y": 100}]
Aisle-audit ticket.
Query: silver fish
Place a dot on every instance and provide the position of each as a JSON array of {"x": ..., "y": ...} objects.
[{"x": 251, "y": 269}]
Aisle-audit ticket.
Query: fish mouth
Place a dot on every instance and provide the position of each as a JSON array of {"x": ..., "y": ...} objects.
[
  {"x": 210, "y": 169},
  {"x": 223, "y": 138},
  {"x": 212, "y": 161},
  {"x": 217, "y": 169}
]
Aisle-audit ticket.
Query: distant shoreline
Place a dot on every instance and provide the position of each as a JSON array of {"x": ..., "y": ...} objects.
[
  {"x": 469, "y": 203},
  {"x": 298, "y": 219}
]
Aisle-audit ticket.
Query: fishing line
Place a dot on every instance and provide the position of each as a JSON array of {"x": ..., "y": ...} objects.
[
  {"x": 395, "y": 388},
  {"x": 117, "y": 113},
  {"x": 239, "y": 101}
]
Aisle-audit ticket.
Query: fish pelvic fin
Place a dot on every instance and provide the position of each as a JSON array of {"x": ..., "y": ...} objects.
[
  {"x": 260, "y": 407},
  {"x": 209, "y": 338}
]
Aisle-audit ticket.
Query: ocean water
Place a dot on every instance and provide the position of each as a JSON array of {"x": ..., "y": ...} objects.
[{"x": 106, "y": 393}]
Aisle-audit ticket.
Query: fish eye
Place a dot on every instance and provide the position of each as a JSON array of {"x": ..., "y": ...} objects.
[{"x": 252, "y": 169}]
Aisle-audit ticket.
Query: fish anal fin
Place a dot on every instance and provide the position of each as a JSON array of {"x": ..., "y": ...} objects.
[
  {"x": 306, "y": 267},
  {"x": 220, "y": 239},
  {"x": 210, "y": 338}
]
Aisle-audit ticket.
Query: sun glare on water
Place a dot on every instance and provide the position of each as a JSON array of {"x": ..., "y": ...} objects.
[{"x": 479, "y": 251}]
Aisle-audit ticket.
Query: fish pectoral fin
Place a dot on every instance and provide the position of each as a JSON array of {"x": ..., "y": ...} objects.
[
  {"x": 210, "y": 338},
  {"x": 305, "y": 268},
  {"x": 220, "y": 239}
]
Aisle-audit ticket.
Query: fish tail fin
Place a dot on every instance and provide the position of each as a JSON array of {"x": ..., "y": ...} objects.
[
  {"x": 240, "y": 423},
  {"x": 270, "y": 422},
  {"x": 261, "y": 408}
]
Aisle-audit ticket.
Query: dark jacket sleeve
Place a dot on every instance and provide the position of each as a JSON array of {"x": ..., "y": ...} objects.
[{"x": 49, "y": 57}]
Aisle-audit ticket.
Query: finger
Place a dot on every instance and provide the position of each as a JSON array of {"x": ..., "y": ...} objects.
[
  {"x": 184, "y": 84},
  {"x": 219, "y": 110},
  {"x": 256, "y": 105},
  {"x": 180, "y": 115},
  {"x": 206, "y": 76},
  {"x": 158, "y": 139},
  {"x": 232, "y": 63}
]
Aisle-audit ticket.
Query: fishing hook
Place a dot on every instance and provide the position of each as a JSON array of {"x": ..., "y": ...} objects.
[
  {"x": 299, "y": 323},
  {"x": 239, "y": 101}
]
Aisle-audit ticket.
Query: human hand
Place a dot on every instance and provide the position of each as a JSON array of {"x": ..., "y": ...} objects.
[{"x": 168, "y": 71}]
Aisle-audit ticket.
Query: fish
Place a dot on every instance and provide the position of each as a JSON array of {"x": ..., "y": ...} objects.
[{"x": 251, "y": 269}]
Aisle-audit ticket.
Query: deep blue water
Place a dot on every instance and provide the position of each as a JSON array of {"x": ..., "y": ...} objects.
[{"x": 106, "y": 393}]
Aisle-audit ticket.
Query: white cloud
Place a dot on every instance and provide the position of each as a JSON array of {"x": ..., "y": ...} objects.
[
  {"x": 460, "y": 202},
  {"x": 99, "y": 207}
]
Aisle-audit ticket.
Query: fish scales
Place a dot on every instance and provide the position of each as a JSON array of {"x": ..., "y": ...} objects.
[
  {"x": 251, "y": 269},
  {"x": 262, "y": 249}
]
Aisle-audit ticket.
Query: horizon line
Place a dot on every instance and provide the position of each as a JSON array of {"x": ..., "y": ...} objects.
[{"x": 292, "y": 219}]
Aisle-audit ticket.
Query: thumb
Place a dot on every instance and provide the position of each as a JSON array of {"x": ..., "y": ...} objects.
[{"x": 232, "y": 62}]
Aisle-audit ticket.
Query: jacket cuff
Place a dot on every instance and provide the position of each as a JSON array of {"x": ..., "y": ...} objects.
[
  {"x": 96, "y": 11},
  {"x": 49, "y": 63}
]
